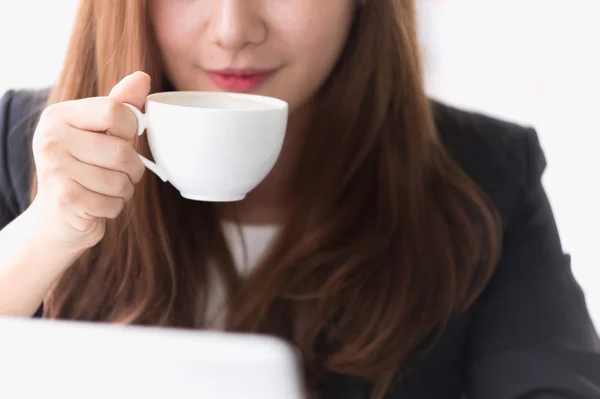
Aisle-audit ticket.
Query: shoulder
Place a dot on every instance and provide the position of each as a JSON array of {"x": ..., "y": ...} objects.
[
  {"x": 502, "y": 157},
  {"x": 19, "y": 112},
  {"x": 25, "y": 104}
]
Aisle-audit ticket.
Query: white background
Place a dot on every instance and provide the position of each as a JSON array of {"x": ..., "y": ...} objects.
[{"x": 535, "y": 62}]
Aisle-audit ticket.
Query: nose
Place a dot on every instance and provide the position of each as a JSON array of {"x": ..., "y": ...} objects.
[{"x": 236, "y": 24}]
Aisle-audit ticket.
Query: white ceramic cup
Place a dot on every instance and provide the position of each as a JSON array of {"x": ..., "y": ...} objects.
[{"x": 212, "y": 146}]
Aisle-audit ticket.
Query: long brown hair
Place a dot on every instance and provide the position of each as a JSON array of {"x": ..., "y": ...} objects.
[{"x": 387, "y": 240}]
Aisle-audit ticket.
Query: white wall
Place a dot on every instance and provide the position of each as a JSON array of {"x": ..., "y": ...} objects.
[
  {"x": 532, "y": 61},
  {"x": 33, "y": 39}
]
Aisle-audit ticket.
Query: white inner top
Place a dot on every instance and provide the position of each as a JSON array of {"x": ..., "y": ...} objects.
[{"x": 256, "y": 239}]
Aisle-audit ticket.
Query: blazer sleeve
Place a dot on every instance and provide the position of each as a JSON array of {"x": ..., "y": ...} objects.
[
  {"x": 8, "y": 206},
  {"x": 19, "y": 113},
  {"x": 532, "y": 336}
]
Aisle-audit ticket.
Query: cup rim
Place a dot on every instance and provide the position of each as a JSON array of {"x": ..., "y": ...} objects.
[{"x": 161, "y": 97}]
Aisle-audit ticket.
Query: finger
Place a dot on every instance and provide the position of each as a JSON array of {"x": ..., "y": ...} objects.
[
  {"x": 83, "y": 224},
  {"x": 107, "y": 152},
  {"x": 77, "y": 200},
  {"x": 132, "y": 89},
  {"x": 100, "y": 114},
  {"x": 99, "y": 180}
]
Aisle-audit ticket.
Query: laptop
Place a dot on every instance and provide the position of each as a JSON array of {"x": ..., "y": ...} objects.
[{"x": 68, "y": 360}]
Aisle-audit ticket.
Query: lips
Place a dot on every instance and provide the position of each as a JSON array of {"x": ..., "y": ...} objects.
[{"x": 240, "y": 80}]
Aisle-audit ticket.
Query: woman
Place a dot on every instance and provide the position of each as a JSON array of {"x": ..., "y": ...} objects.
[{"x": 403, "y": 246}]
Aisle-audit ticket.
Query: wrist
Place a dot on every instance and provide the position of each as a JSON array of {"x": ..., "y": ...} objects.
[{"x": 40, "y": 245}]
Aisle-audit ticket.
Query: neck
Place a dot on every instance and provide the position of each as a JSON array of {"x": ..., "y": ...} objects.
[{"x": 270, "y": 201}]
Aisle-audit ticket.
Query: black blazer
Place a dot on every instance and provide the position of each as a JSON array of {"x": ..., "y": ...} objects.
[{"x": 528, "y": 336}]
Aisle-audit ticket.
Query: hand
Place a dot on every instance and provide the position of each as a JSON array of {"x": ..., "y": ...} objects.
[{"x": 84, "y": 175}]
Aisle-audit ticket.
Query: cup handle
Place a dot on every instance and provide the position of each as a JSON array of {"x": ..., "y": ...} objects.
[{"x": 141, "y": 122}]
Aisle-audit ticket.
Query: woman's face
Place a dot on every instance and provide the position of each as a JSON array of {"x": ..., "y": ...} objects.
[{"x": 280, "y": 48}]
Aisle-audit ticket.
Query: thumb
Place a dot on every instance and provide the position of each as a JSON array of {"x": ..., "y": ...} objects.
[{"x": 132, "y": 89}]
